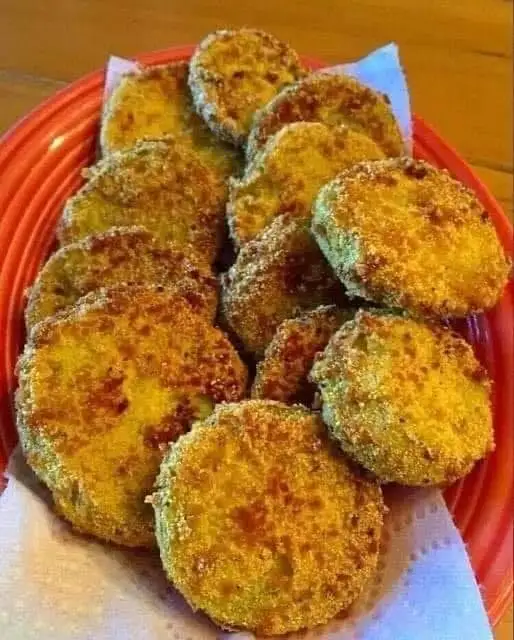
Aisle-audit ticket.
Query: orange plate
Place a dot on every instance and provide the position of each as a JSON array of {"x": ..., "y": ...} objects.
[{"x": 40, "y": 163}]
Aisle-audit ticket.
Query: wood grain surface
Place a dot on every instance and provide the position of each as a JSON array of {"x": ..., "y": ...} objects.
[{"x": 457, "y": 55}]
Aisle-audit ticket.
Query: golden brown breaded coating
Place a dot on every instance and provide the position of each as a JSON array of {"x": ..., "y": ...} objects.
[
  {"x": 283, "y": 373},
  {"x": 276, "y": 276},
  {"x": 156, "y": 102},
  {"x": 333, "y": 100},
  {"x": 289, "y": 171},
  {"x": 262, "y": 523},
  {"x": 161, "y": 185},
  {"x": 122, "y": 255},
  {"x": 103, "y": 386},
  {"x": 406, "y": 400},
  {"x": 232, "y": 74},
  {"x": 405, "y": 234}
]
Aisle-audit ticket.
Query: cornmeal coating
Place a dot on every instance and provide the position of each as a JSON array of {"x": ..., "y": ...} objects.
[
  {"x": 287, "y": 174},
  {"x": 262, "y": 523},
  {"x": 405, "y": 234},
  {"x": 103, "y": 387},
  {"x": 233, "y": 73},
  {"x": 405, "y": 399}
]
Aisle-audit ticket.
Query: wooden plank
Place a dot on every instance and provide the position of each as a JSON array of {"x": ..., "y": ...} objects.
[
  {"x": 458, "y": 55},
  {"x": 500, "y": 184},
  {"x": 65, "y": 39},
  {"x": 505, "y": 630},
  {"x": 19, "y": 94}
]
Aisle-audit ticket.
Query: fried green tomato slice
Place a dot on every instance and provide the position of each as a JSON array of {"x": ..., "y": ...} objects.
[
  {"x": 156, "y": 102},
  {"x": 276, "y": 276},
  {"x": 289, "y": 171},
  {"x": 334, "y": 100},
  {"x": 405, "y": 234},
  {"x": 405, "y": 399},
  {"x": 232, "y": 74},
  {"x": 160, "y": 185},
  {"x": 103, "y": 386},
  {"x": 282, "y": 374},
  {"x": 122, "y": 255},
  {"x": 262, "y": 523}
]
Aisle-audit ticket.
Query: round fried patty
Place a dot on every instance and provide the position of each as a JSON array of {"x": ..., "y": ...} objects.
[
  {"x": 403, "y": 233},
  {"x": 103, "y": 386},
  {"x": 161, "y": 185},
  {"x": 283, "y": 372},
  {"x": 156, "y": 102},
  {"x": 333, "y": 99},
  {"x": 276, "y": 276},
  {"x": 289, "y": 171},
  {"x": 261, "y": 522},
  {"x": 121, "y": 255},
  {"x": 407, "y": 400},
  {"x": 235, "y": 73}
]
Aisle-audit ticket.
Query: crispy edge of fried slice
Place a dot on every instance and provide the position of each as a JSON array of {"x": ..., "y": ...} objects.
[
  {"x": 284, "y": 177},
  {"x": 312, "y": 99},
  {"x": 406, "y": 399},
  {"x": 208, "y": 80},
  {"x": 282, "y": 374},
  {"x": 100, "y": 257},
  {"x": 216, "y": 544},
  {"x": 404, "y": 234}
]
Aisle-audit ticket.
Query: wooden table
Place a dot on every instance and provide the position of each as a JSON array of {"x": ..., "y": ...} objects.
[{"x": 457, "y": 54}]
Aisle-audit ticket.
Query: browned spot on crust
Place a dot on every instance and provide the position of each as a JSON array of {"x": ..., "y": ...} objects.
[
  {"x": 171, "y": 426},
  {"x": 283, "y": 373},
  {"x": 415, "y": 170},
  {"x": 251, "y": 520}
]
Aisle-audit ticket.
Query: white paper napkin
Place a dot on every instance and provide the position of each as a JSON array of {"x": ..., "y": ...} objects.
[
  {"x": 116, "y": 68},
  {"x": 56, "y": 585},
  {"x": 381, "y": 70}
]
